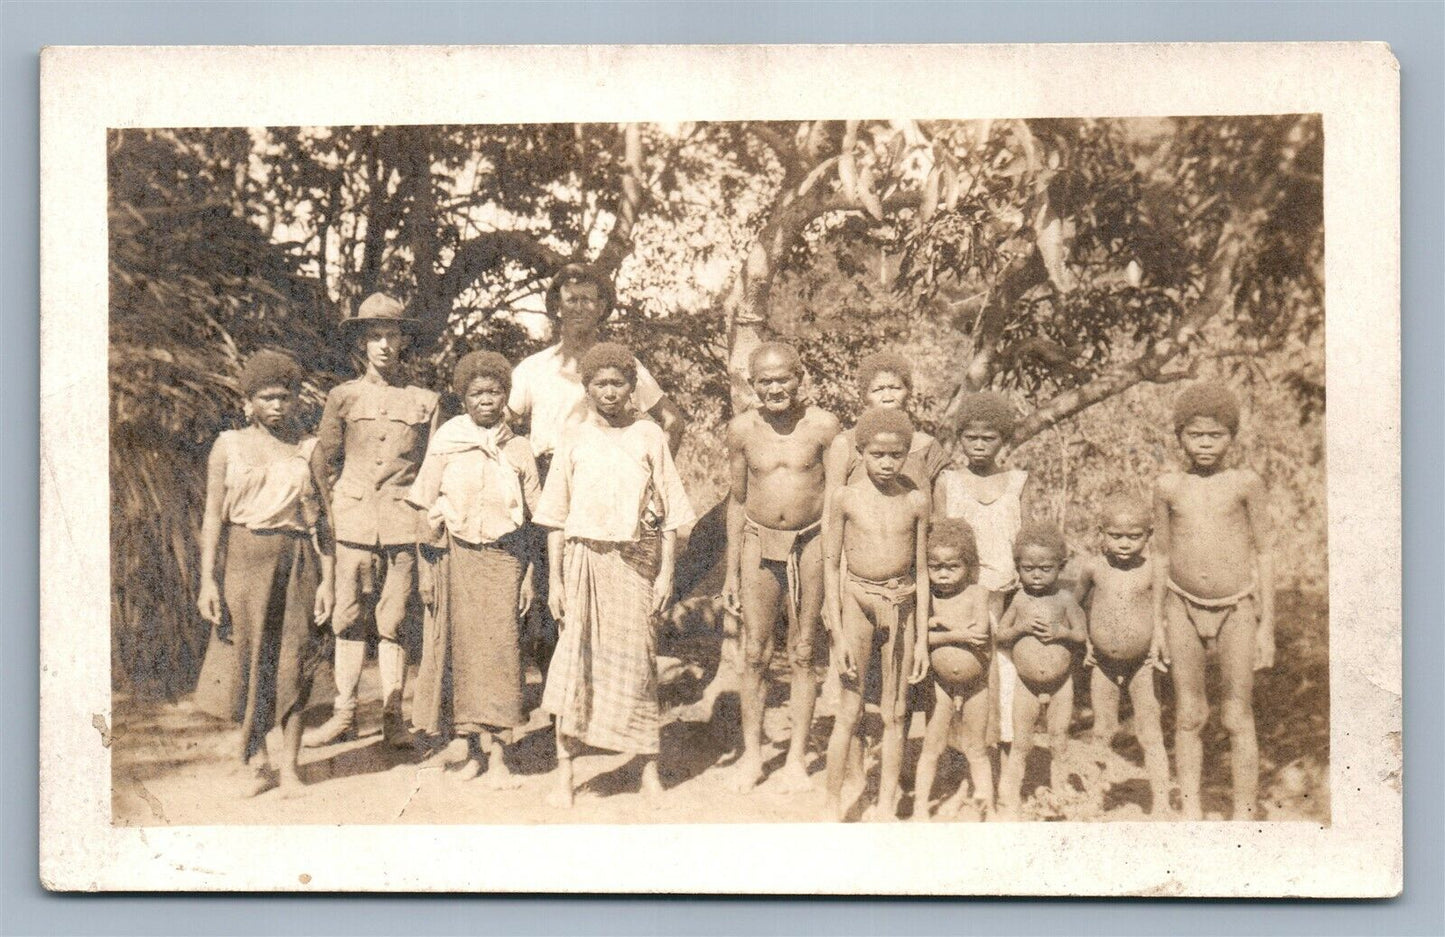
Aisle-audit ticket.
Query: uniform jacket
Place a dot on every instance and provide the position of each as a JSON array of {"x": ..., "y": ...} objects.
[{"x": 370, "y": 444}]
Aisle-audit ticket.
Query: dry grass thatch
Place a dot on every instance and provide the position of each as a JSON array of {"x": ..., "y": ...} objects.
[{"x": 193, "y": 290}]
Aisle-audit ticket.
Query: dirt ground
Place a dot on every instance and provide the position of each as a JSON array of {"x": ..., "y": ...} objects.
[{"x": 174, "y": 765}]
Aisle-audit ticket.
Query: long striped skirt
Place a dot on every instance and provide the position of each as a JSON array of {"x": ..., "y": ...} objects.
[
  {"x": 270, "y": 591},
  {"x": 602, "y": 683},
  {"x": 470, "y": 678}
]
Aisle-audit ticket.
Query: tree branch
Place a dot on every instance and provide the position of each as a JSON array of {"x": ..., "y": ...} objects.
[
  {"x": 787, "y": 155},
  {"x": 1217, "y": 297},
  {"x": 488, "y": 252}
]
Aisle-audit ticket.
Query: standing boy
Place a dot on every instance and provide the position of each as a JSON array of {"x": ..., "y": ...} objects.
[
  {"x": 1214, "y": 590},
  {"x": 882, "y": 522},
  {"x": 774, "y": 553},
  {"x": 370, "y": 443},
  {"x": 1119, "y": 589}
]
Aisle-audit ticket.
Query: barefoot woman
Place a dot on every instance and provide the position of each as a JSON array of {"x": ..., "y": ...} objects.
[
  {"x": 613, "y": 502},
  {"x": 262, "y": 507},
  {"x": 477, "y": 484}
]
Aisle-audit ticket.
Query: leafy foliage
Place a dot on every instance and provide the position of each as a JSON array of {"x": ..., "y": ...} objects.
[{"x": 1066, "y": 262}]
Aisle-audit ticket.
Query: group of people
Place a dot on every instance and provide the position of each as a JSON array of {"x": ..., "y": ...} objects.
[{"x": 866, "y": 552}]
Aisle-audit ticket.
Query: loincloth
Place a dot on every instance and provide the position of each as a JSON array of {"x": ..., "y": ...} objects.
[
  {"x": 888, "y": 606},
  {"x": 888, "y": 599},
  {"x": 786, "y": 547},
  {"x": 1208, "y": 616}
]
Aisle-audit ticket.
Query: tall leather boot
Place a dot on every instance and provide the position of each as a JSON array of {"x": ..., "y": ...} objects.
[
  {"x": 391, "y": 660},
  {"x": 350, "y": 655}
]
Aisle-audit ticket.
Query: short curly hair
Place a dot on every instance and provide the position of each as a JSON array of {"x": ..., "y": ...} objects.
[
  {"x": 991, "y": 409},
  {"x": 1039, "y": 534},
  {"x": 269, "y": 369},
  {"x": 608, "y": 355},
  {"x": 783, "y": 350},
  {"x": 581, "y": 273},
  {"x": 877, "y": 420},
  {"x": 1207, "y": 398},
  {"x": 1123, "y": 504},
  {"x": 884, "y": 362},
  {"x": 475, "y": 364},
  {"x": 953, "y": 533}
]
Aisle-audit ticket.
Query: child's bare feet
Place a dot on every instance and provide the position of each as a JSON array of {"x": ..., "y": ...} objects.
[
  {"x": 469, "y": 769},
  {"x": 746, "y": 774},
  {"x": 793, "y": 779},
  {"x": 651, "y": 786},
  {"x": 290, "y": 782},
  {"x": 834, "y": 810},
  {"x": 1006, "y": 812},
  {"x": 880, "y": 814},
  {"x": 920, "y": 813}
]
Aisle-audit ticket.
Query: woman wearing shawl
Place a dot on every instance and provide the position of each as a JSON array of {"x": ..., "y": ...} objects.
[
  {"x": 478, "y": 484},
  {"x": 613, "y": 503}
]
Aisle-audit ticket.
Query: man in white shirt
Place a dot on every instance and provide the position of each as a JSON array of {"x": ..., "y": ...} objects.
[
  {"x": 548, "y": 394},
  {"x": 547, "y": 390}
]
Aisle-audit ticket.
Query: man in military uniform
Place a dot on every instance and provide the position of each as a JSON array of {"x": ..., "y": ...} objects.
[{"x": 370, "y": 443}]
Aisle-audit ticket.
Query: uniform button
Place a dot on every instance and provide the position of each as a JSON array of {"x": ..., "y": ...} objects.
[
  {"x": 378, "y": 461},
  {"x": 383, "y": 411}
]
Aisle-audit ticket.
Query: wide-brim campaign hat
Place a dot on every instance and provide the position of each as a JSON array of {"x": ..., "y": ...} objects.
[{"x": 379, "y": 307}]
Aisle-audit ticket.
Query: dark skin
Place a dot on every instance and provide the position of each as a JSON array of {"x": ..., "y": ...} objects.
[
  {"x": 960, "y": 621},
  {"x": 273, "y": 434},
  {"x": 485, "y": 400},
  {"x": 1119, "y": 592},
  {"x": 1051, "y": 616},
  {"x": 775, "y": 465},
  {"x": 610, "y": 391},
  {"x": 881, "y": 521},
  {"x": 1211, "y": 524}
]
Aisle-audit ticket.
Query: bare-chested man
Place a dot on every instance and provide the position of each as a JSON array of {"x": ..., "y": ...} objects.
[
  {"x": 775, "y": 558},
  {"x": 1214, "y": 591}
]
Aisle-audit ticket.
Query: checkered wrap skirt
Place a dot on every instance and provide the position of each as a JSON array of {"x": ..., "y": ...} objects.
[{"x": 602, "y": 683}]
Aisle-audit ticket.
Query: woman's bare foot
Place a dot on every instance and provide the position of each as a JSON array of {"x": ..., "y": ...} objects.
[
  {"x": 834, "y": 810},
  {"x": 498, "y": 777},
  {"x": 452, "y": 753},
  {"x": 794, "y": 779},
  {"x": 469, "y": 769},
  {"x": 746, "y": 774},
  {"x": 920, "y": 814},
  {"x": 1006, "y": 812},
  {"x": 261, "y": 781}
]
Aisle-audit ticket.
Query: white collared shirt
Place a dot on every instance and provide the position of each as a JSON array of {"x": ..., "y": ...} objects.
[{"x": 548, "y": 390}]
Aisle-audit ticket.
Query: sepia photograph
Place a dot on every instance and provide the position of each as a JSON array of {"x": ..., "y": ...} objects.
[
  {"x": 536, "y": 473},
  {"x": 817, "y": 471}
]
